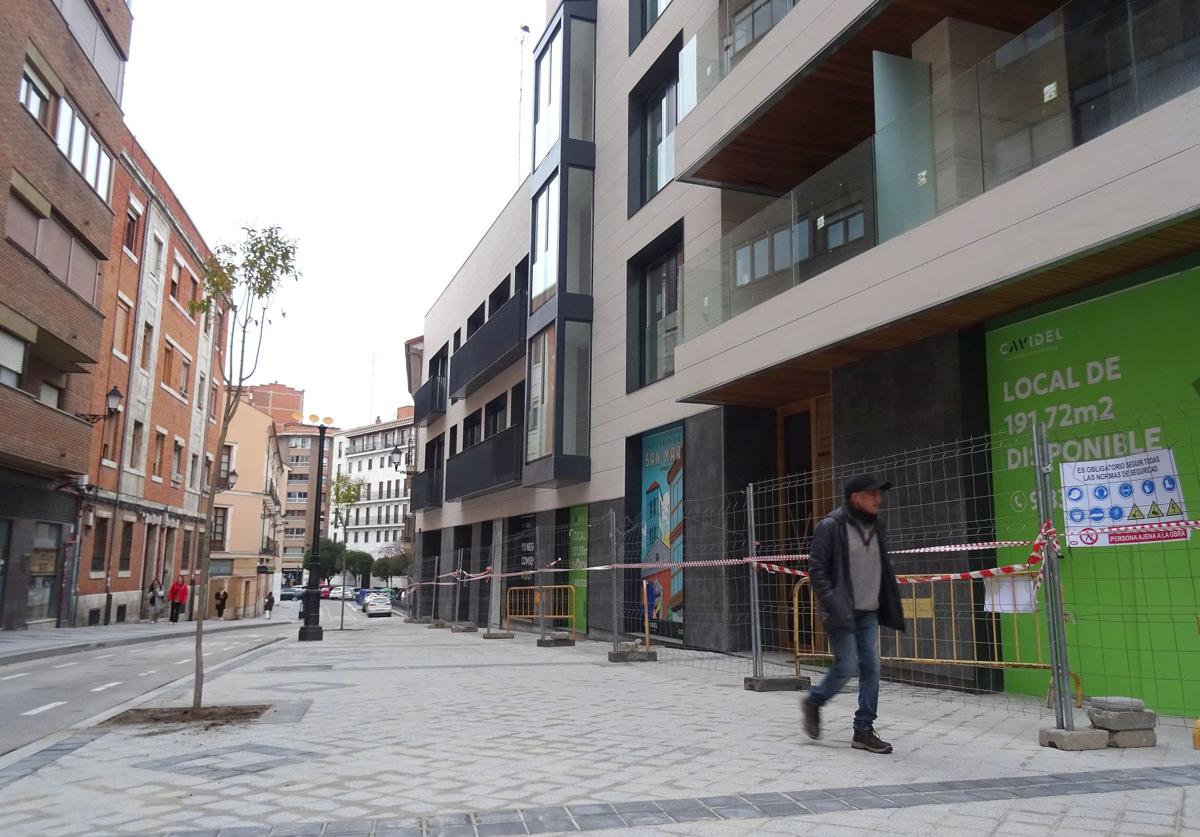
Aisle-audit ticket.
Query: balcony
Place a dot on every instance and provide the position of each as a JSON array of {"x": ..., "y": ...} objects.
[
  {"x": 491, "y": 465},
  {"x": 429, "y": 401},
  {"x": 427, "y": 490},
  {"x": 1038, "y": 96},
  {"x": 270, "y": 546},
  {"x": 721, "y": 43},
  {"x": 39, "y": 438},
  {"x": 497, "y": 344}
]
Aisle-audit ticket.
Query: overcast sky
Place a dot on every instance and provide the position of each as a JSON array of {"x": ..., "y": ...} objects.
[{"x": 381, "y": 134}]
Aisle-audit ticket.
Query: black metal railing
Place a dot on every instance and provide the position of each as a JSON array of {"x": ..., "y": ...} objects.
[
  {"x": 491, "y": 465},
  {"x": 497, "y": 344},
  {"x": 270, "y": 546},
  {"x": 429, "y": 401},
  {"x": 427, "y": 490}
]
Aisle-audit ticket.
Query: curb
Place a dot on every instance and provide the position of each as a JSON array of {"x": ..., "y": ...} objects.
[{"x": 58, "y": 651}]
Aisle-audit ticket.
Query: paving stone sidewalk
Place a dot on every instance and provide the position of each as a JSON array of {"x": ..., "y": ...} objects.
[{"x": 403, "y": 730}]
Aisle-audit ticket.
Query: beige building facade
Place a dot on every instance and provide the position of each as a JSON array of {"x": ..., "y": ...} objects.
[
  {"x": 247, "y": 545},
  {"x": 771, "y": 237}
]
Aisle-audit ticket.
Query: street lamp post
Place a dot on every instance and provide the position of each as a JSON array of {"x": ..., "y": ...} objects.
[{"x": 311, "y": 630}]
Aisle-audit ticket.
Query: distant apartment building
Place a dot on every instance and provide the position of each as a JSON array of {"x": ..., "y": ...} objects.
[
  {"x": 108, "y": 381},
  {"x": 383, "y": 456},
  {"x": 248, "y": 524},
  {"x": 766, "y": 239},
  {"x": 299, "y": 442}
]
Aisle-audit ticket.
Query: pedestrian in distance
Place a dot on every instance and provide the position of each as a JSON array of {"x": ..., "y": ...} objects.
[
  {"x": 154, "y": 600},
  {"x": 221, "y": 599},
  {"x": 178, "y": 594},
  {"x": 269, "y": 603},
  {"x": 856, "y": 588}
]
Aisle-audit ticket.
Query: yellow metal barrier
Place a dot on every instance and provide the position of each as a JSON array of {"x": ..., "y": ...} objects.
[
  {"x": 521, "y": 603},
  {"x": 923, "y": 605}
]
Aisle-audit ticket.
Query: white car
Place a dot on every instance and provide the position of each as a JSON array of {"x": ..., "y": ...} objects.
[
  {"x": 377, "y": 605},
  {"x": 341, "y": 593}
]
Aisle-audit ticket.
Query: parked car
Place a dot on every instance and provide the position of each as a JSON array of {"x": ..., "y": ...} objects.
[
  {"x": 326, "y": 589},
  {"x": 361, "y": 595},
  {"x": 341, "y": 592},
  {"x": 377, "y": 605},
  {"x": 291, "y": 594}
]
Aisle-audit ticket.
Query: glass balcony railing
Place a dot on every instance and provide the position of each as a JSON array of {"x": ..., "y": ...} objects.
[
  {"x": 1042, "y": 94},
  {"x": 721, "y": 42}
]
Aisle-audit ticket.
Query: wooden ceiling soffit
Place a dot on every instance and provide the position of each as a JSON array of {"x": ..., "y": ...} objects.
[{"x": 827, "y": 107}]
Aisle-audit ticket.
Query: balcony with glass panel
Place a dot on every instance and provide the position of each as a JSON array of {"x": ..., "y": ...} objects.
[{"x": 1039, "y": 95}]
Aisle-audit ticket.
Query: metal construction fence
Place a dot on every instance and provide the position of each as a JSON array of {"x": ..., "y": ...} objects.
[{"x": 1035, "y": 567}]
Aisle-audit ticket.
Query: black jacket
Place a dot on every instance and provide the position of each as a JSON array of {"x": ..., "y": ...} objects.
[{"x": 829, "y": 568}]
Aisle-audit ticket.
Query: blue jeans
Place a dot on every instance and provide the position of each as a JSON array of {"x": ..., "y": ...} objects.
[{"x": 854, "y": 652}]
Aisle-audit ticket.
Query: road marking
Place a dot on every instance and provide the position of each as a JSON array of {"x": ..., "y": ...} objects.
[
  {"x": 45, "y": 708},
  {"x": 104, "y": 656},
  {"x": 181, "y": 662},
  {"x": 107, "y": 686},
  {"x": 65, "y": 665},
  {"x": 15, "y": 676},
  {"x": 206, "y": 653},
  {"x": 137, "y": 650},
  {"x": 151, "y": 671}
]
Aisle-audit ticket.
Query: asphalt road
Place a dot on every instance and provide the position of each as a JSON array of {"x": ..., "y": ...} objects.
[{"x": 40, "y": 697}]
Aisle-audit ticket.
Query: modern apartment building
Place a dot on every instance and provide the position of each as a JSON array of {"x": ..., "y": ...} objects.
[
  {"x": 248, "y": 520},
  {"x": 383, "y": 456},
  {"x": 769, "y": 237},
  {"x": 106, "y": 376}
]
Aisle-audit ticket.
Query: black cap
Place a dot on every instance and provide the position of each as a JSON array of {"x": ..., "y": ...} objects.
[{"x": 865, "y": 482}]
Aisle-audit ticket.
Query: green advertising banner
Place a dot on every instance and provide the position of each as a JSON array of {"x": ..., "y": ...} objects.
[
  {"x": 1112, "y": 378},
  {"x": 577, "y": 561}
]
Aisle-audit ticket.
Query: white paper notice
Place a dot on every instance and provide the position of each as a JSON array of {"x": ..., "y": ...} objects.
[{"x": 1133, "y": 490}]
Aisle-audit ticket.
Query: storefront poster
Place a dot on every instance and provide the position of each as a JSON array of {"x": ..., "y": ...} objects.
[
  {"x": 662, "y": 528},
  {"x": 577, "y": 561},
  {"x": 1115, "y": 381}
]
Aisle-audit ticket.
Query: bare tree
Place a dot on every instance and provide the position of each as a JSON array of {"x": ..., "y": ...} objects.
[{"x": 240, "y": 283}]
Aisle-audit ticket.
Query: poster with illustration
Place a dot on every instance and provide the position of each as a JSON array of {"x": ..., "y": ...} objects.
[{"x": 662, "y": 529}]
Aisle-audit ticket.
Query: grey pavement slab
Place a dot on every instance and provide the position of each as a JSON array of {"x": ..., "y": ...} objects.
[{"x": 505, "y": 738}]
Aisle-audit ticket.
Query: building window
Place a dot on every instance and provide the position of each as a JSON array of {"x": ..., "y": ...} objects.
[
  {"x": 194, "y": 470},
  {"x": 580, "y": 183},
  {"x": 577, "y": 366},
  {"x": 93, "y": 39},
  {"x": 658, "y": 317},
  {"x": 108, "y": 447},
  {"x": 80, "y": 144},
  {"x": 212, "y": 402},
  {"x": 581, "y": 119},
  {"x": 99, "y": 544},
  {"x": 175, "y": 281},
  {"x": 473, "y": 429},
  {"x": 193, "y": 289},
  {"x": 136, "y": 450},
  {"x": 156, "y": 256},
  {"x": 539, "y": 439},
  {"x": 126, "y": 554},
  {"x": 177, "y": 462},
  {"x": 185, "y": 369},
  {"x": 220, "y": 523},
  {"x": 753, "y": 21},
  {"x": 34, "y": 96},
  {"x": 129, "y": 239},
  {"x": 547, "y": 114},
  {"x": 50, "y": 395},
  {"x": 226, "y": 458},
  {"x": 842, "y": 227},
  {"x": 200, "y": 389},
  {"x": 121, "y": 322},
  {"x": 545, "y": 245},
  {"x": 160, "y": 442},
  {"x": 168, "y": 364},
  {"x": 658, "y": 152},
  {"x": 185, "y": 559},
  {"x": 147, "y": 345},
  {"x": 12, "y": 359}
]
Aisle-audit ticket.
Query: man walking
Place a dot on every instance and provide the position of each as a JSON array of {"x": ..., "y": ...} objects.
[
  {"x": 854, "y": 582},
  {"x": 178, "y": 595}
]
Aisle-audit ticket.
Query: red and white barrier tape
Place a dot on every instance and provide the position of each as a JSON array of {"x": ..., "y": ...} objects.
[{"x": 1148, "y": 527}]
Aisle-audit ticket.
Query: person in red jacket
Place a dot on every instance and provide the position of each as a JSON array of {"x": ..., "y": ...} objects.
[{"x": 178, "y": 596}]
